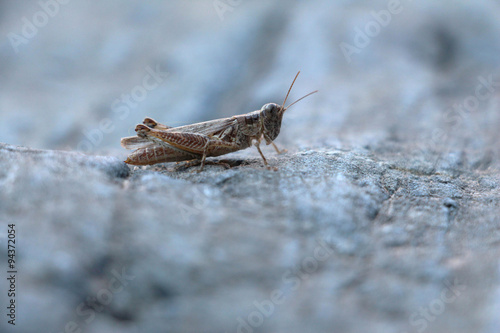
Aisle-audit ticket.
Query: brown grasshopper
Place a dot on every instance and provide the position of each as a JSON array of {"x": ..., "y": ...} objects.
[{"x": 157, "y": 143}]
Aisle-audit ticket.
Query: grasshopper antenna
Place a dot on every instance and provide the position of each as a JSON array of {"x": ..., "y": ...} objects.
[
  {"x": 290, "y": 89},
  {"x": 313, "y": 92}
]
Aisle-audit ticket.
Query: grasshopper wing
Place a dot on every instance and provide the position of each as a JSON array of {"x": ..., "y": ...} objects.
[{"x": 209, "y": 128}]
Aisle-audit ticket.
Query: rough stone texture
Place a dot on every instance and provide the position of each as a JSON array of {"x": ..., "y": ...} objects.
[
  {"x": 343, "y": 234},
  {"x": 383, "y": 216}
]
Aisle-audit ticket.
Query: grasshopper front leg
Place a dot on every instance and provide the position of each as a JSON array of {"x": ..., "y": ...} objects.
[
  {"x": 277, "y": 150},
  {"x": 257, "y": 145}
]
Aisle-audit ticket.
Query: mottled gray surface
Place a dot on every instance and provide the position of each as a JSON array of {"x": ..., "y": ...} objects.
[{"x": 383, "y": 216}]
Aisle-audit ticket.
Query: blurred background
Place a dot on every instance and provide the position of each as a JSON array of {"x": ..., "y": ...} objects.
[
  {"x": 404, "y": 86},
  {"x": 76, "y": 76}
]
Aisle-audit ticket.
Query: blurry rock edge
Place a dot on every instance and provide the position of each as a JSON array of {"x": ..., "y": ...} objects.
[{"x": 382, "y": 217}]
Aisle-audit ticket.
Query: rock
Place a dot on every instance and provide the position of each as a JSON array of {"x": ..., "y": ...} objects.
[
  {"x": 383, "y": 216},
  {"x": 106, "y": 247}
]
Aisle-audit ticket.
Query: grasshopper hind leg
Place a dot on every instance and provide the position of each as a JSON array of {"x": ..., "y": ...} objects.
[
  {"x": 203, "y": 160},
  {"x": 149, "y": 122}
]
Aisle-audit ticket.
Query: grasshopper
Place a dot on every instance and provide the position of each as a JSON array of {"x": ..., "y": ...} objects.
[{"x": 157, "y": 143}]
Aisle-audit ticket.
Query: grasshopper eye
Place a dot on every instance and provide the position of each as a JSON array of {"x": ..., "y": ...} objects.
[{"x": 270, "y": 108}]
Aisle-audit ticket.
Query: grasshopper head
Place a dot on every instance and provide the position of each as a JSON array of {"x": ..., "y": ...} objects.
[{"x": 272, "y": 114}]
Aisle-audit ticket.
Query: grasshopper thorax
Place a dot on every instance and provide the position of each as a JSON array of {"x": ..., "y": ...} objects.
[{"x": 272, "y": 114}]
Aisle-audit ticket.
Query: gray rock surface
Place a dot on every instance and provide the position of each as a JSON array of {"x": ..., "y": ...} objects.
[
  {"x": 341, "y": 234},
  {"x": 383, "y": 216}
]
